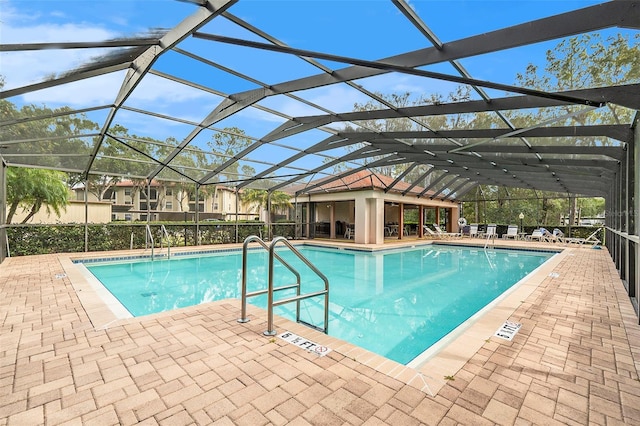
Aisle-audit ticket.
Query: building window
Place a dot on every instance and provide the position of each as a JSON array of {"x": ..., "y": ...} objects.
[
  {"x": 127, "y": 192},
  {"x": 109, "y": 194},
  {"x": 168, "y": 192},
  {"x": 215, "y": 206},
  {"x": 192, "y": 207},
  {"x": 168, "y": 205}
]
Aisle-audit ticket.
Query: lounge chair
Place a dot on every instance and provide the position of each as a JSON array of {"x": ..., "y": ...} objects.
[
  {"x": 547, "y": 236},
  {"x": 536, "y": 235},
  {"x": 591, "y": 239},
  {"x": 512, "y": 232},
  {"x": 490, "y": 232},
  {"x": 557, "y": 236},
  {"x": 445, "y": 234},
  {"x": 430, "y": 233},
  {"x": 473, "y": 230}
]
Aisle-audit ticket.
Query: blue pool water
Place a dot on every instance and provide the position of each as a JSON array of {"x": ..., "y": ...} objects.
[{"x": 396, "y": 303}]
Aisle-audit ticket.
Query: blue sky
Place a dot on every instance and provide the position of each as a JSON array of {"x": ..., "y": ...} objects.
[{"x": 365, "y": 29}]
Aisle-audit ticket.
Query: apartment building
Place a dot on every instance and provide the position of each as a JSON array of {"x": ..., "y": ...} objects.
[{"x": 172, "y": 201}]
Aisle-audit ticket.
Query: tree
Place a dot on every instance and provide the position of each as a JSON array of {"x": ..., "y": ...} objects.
[
  {"x": 260, "y": 197},
  {"x": 32, "y": 189},
  {"x": 45, "y": 134},
  {"x": 441, "y": 122},
  {"x": 582, "y": 62},
  {"x": 575, "y": 63},
  {"x": 226, "y": 145}
]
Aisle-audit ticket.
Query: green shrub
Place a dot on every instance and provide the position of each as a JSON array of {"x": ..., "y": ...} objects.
[{"x": 44, "y": 239}]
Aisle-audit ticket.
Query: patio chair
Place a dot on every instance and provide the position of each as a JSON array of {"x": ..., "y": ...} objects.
[
  {"x": 512, "y": 232},
  {"x": 443, "y": 233},
  {"x": 473, "y": 230},
  {"x": 348, "y": 233}
]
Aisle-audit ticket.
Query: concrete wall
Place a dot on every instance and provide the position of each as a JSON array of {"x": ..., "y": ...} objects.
[{"x": 99, "y": 212}]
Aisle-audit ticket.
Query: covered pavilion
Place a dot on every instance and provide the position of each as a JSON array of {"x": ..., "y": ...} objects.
[{"x": 367, "y": 207}]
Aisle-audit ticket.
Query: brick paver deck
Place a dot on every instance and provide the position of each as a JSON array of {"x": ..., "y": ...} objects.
[{"x": 574, "y": 361}]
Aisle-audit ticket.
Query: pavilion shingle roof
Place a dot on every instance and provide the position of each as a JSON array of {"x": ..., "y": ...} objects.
[{"x": 361, "y": 180}]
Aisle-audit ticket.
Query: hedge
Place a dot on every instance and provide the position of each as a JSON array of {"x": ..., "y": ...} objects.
[{"x": 27, "y": 240}]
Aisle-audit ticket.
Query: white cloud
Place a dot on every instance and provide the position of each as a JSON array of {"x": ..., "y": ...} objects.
[
  {"x": 95, "y": 91},
  {"x": 154, "y": 89},
  {"x": 337, "y": 98},
  {"x": 25, "y": 68},
  {"x": 28, "y": 67}
]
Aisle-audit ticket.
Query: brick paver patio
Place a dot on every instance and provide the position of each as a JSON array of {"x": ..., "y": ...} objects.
[{"x": 574, "y": 361}]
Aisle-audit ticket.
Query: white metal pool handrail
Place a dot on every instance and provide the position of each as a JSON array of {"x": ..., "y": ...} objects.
[
  {"x": 149, "y": 236},
  {"x": 244, "y": 295},
  {"x": 490, "y": 235},
  {"x": 270, "y": 289},
  {"x": 270, "y": 303},
  {"x": 166, "y": 234}
]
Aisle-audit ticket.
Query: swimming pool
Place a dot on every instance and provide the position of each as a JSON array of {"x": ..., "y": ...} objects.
[{"x": 396, "y": 303}]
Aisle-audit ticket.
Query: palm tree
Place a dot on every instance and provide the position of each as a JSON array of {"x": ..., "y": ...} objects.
[
  {"x": 34, "y": 188},
  {"x": 260, "y": 197}
]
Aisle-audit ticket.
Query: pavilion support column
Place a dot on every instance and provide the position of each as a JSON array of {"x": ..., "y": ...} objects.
[
  {"x": 307, "y": 220},
  {"x": 296, "y": 218},
  {"x": 400, "y": 220},
  {"x": 375, "y": 207},
  {"x": 452, "y": 218},
  {"x": 361, "y": 221},
  {"x": 420, "y": 221},
  {"x": 332, "y": 220},
  {"x": 437, "y": 219}
]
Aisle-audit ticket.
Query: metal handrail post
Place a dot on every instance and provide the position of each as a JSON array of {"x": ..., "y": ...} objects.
[
  {"x": 243, "y": 295},
  {"x": 270, "y": 330}
]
